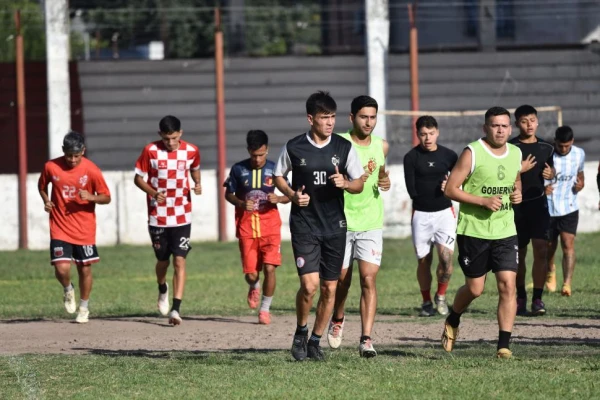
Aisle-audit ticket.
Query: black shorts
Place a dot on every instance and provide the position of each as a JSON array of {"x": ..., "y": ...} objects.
[
  {"x": 479, "y": 256},
  {"x": 532, "y": 220},
  {"x": 64, "y": 252},
  {"x": 173, "y": 240},
  {"x": 565, "y": 223},
  {"x": 322, "y": 254}
]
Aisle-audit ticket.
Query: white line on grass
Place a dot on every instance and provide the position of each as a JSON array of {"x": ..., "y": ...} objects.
[{"x": 26, "y": 377}]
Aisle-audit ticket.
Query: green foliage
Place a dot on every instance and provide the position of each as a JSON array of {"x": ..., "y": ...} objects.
[{"x": 32, "y": 30}]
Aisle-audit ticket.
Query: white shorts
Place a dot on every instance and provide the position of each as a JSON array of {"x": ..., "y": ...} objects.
[
  {"x": 433, "y": 227},
  {"x": 365, "y": 246}
]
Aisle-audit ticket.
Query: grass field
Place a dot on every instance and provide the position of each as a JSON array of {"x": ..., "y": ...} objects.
[{"x": 125, "y": 287}]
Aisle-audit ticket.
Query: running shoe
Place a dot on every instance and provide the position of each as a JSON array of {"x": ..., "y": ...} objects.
[
  {"x": 551, "y": 281},
  {"x": 163, "y": 302},
  {"x": 299, "y": 350},
  {"x": 427, "y": 309},
  {"x": 253, "y": 297},
  {"x": 449, "y": 337},
  {"x": 174, "y": 318},
  {"x": 82, "y": 315},
  {"x": 538, "y": 307},
  {"x": 566, "y": 290},
  {"x": 264, "y": 318},
  {"x": 366, "y": 349},
  {"x": 334, "y": 333},
  {"x": 314, "y": 352},
  {"x": 69, "y": 299},
  {"x": 440, "y": 304},
  {"x": 504, "y": 353}
]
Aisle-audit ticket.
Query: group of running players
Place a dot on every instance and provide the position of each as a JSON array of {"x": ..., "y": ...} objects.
[{"x": 510, "y": 193}]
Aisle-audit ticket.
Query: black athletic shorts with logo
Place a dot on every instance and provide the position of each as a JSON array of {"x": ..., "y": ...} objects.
[
  {"x": 173, "y": 240},
  {"x": 322, "y": 254},
  {"x": 64, "y": 252},
  {"x": 479, "y": 256},
  {"x": 532, "y": 220},
  {"x": 565, "y": 223}
]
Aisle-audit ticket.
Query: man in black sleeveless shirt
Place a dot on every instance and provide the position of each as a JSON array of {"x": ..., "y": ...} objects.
[
  {"x": 531, "y": 216},
  {"x": 319, "y": 162}
]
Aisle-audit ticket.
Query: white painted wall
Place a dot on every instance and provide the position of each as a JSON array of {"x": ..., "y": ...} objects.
[{"x": 124, "y": 219}]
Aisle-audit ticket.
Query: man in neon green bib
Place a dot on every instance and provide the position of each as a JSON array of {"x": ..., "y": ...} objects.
[
  {"x": 486, "y": 181},
  {"x": 364, "y": 215}
]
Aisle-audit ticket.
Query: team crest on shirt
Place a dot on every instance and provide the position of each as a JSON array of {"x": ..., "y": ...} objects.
[
  {"x": 55, "y": 178},
  {"x": 431, "y": 164},
  {"x": 58, "y": 252},
  {"x": 162, "y": 164},
  {"x": 335, "y": 160},
  {"x": 300, "y": 262},
  {"x": 269, "y": 181},
  {"x": 302, "y": 162},
  {"x": 83, "y": 180},
  {"x": 181, "y": 165},
  {"x": 371, "y": 165}
]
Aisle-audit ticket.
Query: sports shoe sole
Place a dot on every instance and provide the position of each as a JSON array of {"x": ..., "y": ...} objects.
[{"x": 449, "y": 337}]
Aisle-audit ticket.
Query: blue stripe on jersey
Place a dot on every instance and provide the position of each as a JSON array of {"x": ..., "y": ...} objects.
[{"x": 563, "y": 200}]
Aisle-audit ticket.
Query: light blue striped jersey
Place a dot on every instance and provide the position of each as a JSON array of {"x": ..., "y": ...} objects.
[{"x": 563, "y": 200}]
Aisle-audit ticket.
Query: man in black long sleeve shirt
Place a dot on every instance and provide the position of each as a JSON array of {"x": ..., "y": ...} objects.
[
  {"x": 531, "y": 216},
  {"x": 426, "y": 168}
]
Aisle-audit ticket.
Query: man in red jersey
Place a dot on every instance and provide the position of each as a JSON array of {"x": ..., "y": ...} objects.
[
  {"x": 77, "y": 186},
  {"x": 166, "y": 164},
  {"x": 250, "y": 188}
]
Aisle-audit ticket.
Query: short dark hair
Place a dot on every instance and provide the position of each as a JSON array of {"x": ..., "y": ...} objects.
[
  {"x": 563, "y": 134},
  {"x": 256, "y": 139},
  {"x": 524, "y": 110},
  {"x": 426, "y": 121},
  {"x": 169, "y": 124},
  {"x": 320, "y": 102},
  {"x": 361, "y": 102},
  {"x": 73, "y": 143},
  {"x": 496, "y": 111}
]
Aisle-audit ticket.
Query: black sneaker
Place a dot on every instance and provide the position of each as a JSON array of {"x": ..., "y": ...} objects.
[
  {"x": 299, "y": 347},
  {"x": 315, "y": 352}
]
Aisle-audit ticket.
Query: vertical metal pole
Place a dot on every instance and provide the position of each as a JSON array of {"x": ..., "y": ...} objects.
[
  {"x": 220, "y": 104},
  {"x": 414, "y": 70},
  {"x": 20, "y": 65}
]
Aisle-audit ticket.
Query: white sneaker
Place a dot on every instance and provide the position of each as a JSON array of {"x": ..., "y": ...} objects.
[
  {"x": 69, "y": 299},
  {"x": 366, "y": 349},
  {"x": 82, "y": 315},
  {"x": 334, "y": 333},
  {"x": 441, "y": 304},
  {"x": 174, "y": 318},
  {"x": 163, "y": 302}
]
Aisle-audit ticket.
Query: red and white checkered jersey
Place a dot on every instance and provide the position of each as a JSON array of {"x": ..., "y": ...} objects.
[{"x": 167, "y": 172}]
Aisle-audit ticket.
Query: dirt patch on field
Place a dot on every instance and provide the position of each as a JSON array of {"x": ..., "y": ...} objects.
[{"x": 210, "y": 333}]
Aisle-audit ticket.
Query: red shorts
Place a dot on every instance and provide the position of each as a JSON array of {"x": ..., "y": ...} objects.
[{"x": 258, "y": 251}]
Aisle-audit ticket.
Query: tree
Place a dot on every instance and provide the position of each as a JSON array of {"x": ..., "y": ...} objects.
[{"x": 32, "y": 30}]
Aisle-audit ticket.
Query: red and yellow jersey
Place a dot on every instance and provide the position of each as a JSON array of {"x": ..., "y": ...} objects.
[
  {"x": 254, "y": 184},
  {"x": 72, "y": 219}
]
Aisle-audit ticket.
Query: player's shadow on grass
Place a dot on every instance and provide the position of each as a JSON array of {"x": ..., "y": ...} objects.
[
  {"x": 235, "y": 354},
  {"x": 559, "y": 325}
]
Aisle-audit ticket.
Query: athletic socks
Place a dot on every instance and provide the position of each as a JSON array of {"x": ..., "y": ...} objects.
[
  {"x": 442, "y": 287},
  {"x": 426, "y": 296},
  {"x": 162, "y": 288},
  {"x": 176, "y": 304},
  {"x": 265, "y": 304},
  {"x": 521, "y": 292},
  {"x": 503, "y": 339},
  {"x": 301, "y": 330},
  {"x": 69, "y": 287},
  {"x": 256, "y": 284},
  {"x": 453, "y": 318},
  {"x": 537, "y": 294},
  {"x": 83, "y": 303}
]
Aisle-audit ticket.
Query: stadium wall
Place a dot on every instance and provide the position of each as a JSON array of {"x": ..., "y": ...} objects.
[{"x": 123, "y": 221}]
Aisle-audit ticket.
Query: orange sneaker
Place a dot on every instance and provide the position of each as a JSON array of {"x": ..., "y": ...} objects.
[
  {"x": 551, "y": 281},
  {"x": 566, "y": 290},
  {"x": 253, "y": 297},
  {"x": 264, "y": 318}
]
